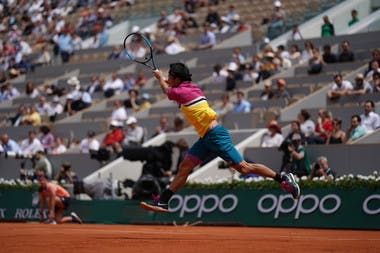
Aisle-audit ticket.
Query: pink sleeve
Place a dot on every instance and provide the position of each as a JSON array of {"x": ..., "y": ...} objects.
[{"x": 172, "y": 94}]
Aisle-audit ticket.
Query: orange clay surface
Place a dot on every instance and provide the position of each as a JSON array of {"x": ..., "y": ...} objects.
[{"x": 34, "y": 237}]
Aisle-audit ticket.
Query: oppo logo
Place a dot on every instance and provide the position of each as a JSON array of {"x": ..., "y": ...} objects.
[
  {"x": 202, "y": 204},
  {"x": 370, "y": 198},
  {"x": 277, "y": 204}
]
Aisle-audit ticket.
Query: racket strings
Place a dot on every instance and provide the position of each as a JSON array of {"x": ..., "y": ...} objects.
[{"x": 138, "y": 49}]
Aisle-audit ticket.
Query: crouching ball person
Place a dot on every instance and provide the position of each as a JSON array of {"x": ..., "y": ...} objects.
[
  {"x": 213, "y": 138},
  {"x": 57, "y": 199}
]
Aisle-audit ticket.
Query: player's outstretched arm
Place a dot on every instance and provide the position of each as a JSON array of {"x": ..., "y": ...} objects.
[{"x": 160, "y": 78}]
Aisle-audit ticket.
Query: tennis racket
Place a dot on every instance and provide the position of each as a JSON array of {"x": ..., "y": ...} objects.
[{"x": 139, "y": 49}]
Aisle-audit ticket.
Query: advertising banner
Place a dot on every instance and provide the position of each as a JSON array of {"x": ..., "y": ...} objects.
[{"x": 319, "y": 208}]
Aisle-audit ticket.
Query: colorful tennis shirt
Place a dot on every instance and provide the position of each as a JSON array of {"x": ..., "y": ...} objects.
[{"x": 194, "y": 106}]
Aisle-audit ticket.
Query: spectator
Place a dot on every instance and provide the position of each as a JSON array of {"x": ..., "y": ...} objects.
[
  {"x": 281, "y": 91},
  {"x": 213, "y": 17},
  {"x": 231, "y": 77},
  {"x": 307, "y": 53},
  {"x": 65, "y": 43},
  {"x": 163, "y": 127},
  {"x": 173, "y": 46},
  {"x": 276, "y": 20},
  {"x": 374, "y": 68},
  {"x": 361, "y": 86},
  {"x": 294, "y": 54},
  {"x": 46, "y": 139},
  {"x": 375, "y": 57},
  {"x": 116, "y": 53},
  {"x": 327, "y": 29},
  {"x": 356, "y": 130},
  {"x": 370, "y": 120},
  {"x": 354, "y": 17},
  {"x": 323, "y": 128},
  {"x": 17, "y": 119},
  {"x": 207, "y": 38},
  {"x": 135, "y": 133},
  {"x": 346, "y": 55},
  {"x": 94, "y": 85},
  {"x": 133, "y": 101},
  {"x": 141, "y": 80},
  {"x": 9, "y": 146},
  {"x": 241, "y": 104},
  {"x": 337, "y": 135},
  {"x": 65, "y": 174},
  {"x": 267, "y": 93},
  {"x": 328, "y": 56},
  {"x": 43, "y": 107},
  {"x": 145, "y": 102},
  {"x": 321, "y": 168},
  {"x": 43, "y": 163},
  {"x": 119, "y": 113},
  {"x": 32, "y": 117},
  {"x": 56, "y": 108},
  {"x": 273, "y": 138},
  {"x": 219, "y": 75},
  {"x": 31, "y": 91},
  {"x": 268, "y": 66},
  {"x": 306, "y": 124},
  {"x": 316, "y": 63},
  {"x": 59, "y": 147},
  {"x": 114, "y": 137},
  {"x": 77, "y": 42},
  {"x": 129, "y": 81},
  {"x": 178, "y": 124},
  {"x": 9, "y": 93},
  {"x": 376, "y": 82},
  {"x": 89, "y": 144},
  {"x": 226, "y": 106},
  {"x": 295, "y": 127},
  {"x": 113, "y": 86},
  {"x": 340, "y": 88},
  {"x": 163, "y": 21},
  {"x": 296, "y": 33},
  {"x": 31, "y": 145}
]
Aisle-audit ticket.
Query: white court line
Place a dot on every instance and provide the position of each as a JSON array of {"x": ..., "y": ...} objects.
[{"x": 162, "y": 232}]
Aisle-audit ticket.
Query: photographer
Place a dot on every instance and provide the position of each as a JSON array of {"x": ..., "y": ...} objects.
[
  {"x": 321, "y": 169},
  {"x": 299, "y": 162}
]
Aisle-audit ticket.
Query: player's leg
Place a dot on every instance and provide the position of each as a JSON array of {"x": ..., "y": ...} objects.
[
  {"x": 221, "y": 141},
  {"x": 191, "y": 160}
]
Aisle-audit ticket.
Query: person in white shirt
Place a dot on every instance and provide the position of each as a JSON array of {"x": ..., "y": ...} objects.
[
  {"x": 306, "y": 124},
  {"x": 370, "y": 119},
  {"x": 174, "y": 46},
  {"x": 31, "y": 145},
  {"x": 273, "y": 138},
  {"x": 119, "y": 113},
  {"x": 341, "y": 87},
  {"x": 56, "y": 106},
  {"x": 115, "y": 84},
  {"x": 135, "y": 133},
  {"x": 89, "y": 144},
  {"x": 59, "y": 147},
  {"x": 43, "y": 108}
]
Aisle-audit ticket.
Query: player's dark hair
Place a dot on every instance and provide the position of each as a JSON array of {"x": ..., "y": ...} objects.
[{"x": 179, "y": 70}]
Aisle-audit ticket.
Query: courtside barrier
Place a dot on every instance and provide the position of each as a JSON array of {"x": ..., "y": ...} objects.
[{"x": 318, "y": 208}]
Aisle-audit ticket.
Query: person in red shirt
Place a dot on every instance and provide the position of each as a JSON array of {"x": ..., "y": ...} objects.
[
  {"x": 57, "y": 199},
  {"x": 323, "y": 128},
  {"x": 114, "y": 137}
]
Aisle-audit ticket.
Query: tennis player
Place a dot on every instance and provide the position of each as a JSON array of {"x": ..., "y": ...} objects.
[
  {"x": 214, "y": 138},
  {"x": 57, "y": 200}
]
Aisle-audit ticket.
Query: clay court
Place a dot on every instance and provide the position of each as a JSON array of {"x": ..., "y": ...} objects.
[{"x": 32, "y": 237}]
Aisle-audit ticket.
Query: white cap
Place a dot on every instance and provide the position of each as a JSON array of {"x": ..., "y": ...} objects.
[
  {"x": 135, "y": 28},
  {"x": 232, "y": 66},
  {"x": 55, "y": 99},
  {"x": 73, "y": 81},
  {"x": 277, "y": 4},
  {"x": 131, "y": 120}
]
